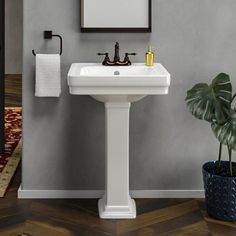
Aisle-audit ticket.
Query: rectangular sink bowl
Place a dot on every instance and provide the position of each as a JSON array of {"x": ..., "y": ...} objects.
[{"x": 138, "y": 79}]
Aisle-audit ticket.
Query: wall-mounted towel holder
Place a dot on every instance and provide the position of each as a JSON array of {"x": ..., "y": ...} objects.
[{"x": 49, "y": 35}]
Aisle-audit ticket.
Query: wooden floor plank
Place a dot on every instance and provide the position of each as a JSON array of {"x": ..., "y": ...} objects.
[
  {"x": 75, "y": 228},
  {"x": 198, "y": 229},
  {"x": 169, "y": 225},
  {"x": 74, "y": 217},
  {"x": 156, "y": 216},
  {"x": 31, "y": 228},
  {"x": 147, "y": 205},
  {"x": 221, "y": 230}
]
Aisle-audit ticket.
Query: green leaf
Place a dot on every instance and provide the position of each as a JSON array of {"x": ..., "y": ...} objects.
[
  {"x": 226, "y": 133},
  {"x": 208, "y": 102}
]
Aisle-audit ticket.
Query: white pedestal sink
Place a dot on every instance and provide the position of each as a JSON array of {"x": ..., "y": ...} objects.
[{"x": 117, "y": 87}]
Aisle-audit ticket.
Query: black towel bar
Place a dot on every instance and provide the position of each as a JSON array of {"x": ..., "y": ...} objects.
[{"x": 48, "y": 35}]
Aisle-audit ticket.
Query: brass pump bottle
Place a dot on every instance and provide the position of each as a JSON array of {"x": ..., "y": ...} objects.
[{"x": 149, "y": 57}]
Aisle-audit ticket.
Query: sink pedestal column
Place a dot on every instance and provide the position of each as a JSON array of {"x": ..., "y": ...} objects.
[{"x": 116, "y": 202}]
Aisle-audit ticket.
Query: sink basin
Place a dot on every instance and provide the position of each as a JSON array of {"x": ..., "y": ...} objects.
[
  {"x": 138, "y": 79},
  {"x": 117, "y": 87}
]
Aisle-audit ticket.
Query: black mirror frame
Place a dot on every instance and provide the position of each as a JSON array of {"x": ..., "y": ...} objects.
[{"x": 120, "y": 30}]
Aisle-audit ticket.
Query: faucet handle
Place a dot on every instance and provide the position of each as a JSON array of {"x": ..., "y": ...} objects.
[
  {"x": 106, "y": 59},
  {"x": 102, "y": 54},
  {"x": 130, "y": 54},
  {"x": 126, "y": 59}
]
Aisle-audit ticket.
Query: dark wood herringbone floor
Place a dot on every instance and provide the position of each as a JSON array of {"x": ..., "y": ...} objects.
[
  {"x": 172, "y": 217},
  {"x": 164, "y": 217}
]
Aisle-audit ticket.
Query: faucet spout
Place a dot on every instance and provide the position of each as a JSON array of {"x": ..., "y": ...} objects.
[
  {"x": 117, "y": 52},
  {"x": 117, "y": 61}
]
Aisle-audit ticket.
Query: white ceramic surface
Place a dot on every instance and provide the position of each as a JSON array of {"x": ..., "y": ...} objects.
[
  {"x": 138, "y": 79},
  {"x": 117, "y": 87}
]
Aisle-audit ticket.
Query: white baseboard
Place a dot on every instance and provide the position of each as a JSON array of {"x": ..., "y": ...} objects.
[
  {"x": 167, "y": 193},
  {"x": 66, "y": 194}
]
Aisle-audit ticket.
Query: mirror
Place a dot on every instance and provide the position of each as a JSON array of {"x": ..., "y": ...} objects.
[{"x": 116, "y": 15}]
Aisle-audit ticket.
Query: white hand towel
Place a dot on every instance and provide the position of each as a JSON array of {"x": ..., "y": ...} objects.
[{"x": 48, "y": 75}]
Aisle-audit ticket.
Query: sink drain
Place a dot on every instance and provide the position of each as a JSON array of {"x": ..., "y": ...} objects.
[{"x": 116, "y": 73}]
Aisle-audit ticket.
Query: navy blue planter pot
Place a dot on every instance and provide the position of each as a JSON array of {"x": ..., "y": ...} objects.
[{"x": 220, "y": 192}]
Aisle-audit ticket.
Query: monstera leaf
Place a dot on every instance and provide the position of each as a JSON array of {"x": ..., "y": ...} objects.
[
  {"x": 226, "y": 133},
  {"x": 208, "y": 102}
]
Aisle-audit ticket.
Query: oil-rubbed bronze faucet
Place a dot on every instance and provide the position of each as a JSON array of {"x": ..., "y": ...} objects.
[{"x": 116, "y": 61}]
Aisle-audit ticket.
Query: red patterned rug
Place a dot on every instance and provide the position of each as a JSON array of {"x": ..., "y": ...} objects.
[{"x": 11, "y": 158}]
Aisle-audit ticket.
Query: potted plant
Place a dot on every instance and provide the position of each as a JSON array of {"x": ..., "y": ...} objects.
[{"x": 214, "y": 104}]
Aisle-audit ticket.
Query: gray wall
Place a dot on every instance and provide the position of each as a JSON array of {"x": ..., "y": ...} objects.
[
  {"x": 13, "y": 36},
  {"x": 64, "y": 138}
]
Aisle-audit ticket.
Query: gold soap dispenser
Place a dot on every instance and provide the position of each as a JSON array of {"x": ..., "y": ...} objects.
[{"x": 149, "y": 57}]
